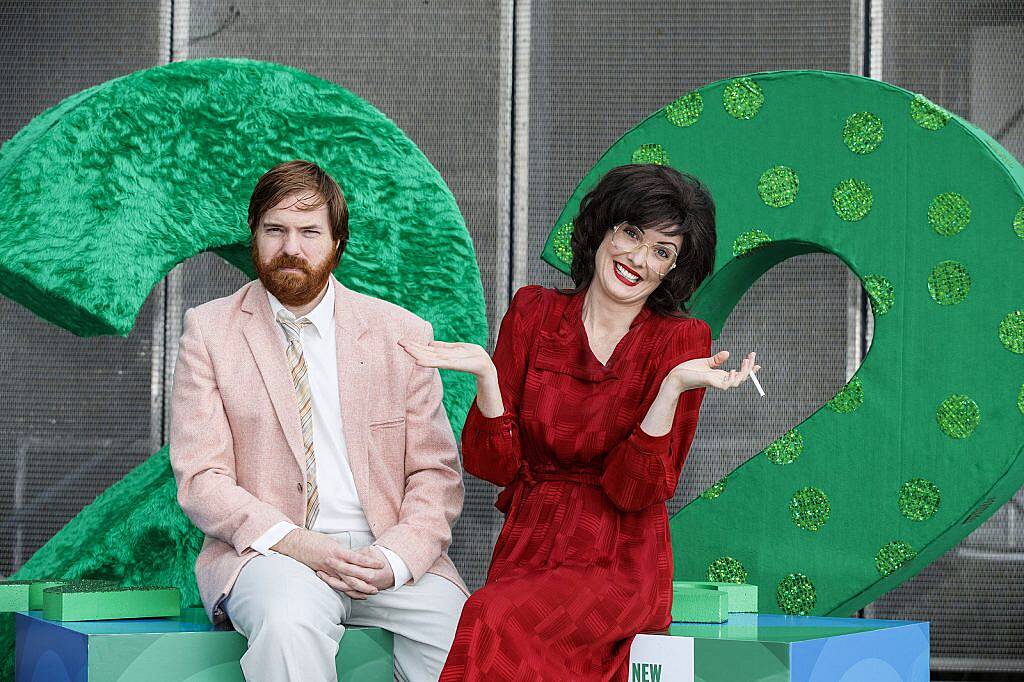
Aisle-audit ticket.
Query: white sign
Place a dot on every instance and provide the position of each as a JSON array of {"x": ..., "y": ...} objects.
[{"x": 661, "y": 658}]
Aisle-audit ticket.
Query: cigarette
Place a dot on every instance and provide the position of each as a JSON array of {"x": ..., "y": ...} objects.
[{"x": 757, "y": 384}]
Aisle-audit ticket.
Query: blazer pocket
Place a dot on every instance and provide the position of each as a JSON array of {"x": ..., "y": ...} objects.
[{"x": 387, "y": 423}]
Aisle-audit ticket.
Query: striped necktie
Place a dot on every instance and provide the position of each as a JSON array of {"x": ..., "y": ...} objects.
[{"x": 300, "y": 377}]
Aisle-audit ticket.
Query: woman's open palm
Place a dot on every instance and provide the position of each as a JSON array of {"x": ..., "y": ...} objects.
[
  {"x": 705, "y": 372},
  {"x": 461, "y": 357}
]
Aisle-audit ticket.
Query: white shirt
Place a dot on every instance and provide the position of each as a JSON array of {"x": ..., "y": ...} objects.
[{"x": 340, "y": 509}]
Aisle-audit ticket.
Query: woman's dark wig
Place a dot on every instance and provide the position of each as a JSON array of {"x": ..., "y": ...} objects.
[{"x": 650, "y": 196}]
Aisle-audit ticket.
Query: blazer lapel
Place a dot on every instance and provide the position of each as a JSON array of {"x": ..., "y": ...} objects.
[
  {"x": 353, "y": 384},
  {"x": 260, "y": 334}
]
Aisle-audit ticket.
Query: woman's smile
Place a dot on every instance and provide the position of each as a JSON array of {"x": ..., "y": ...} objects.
[{"x": 626, "y": 275}]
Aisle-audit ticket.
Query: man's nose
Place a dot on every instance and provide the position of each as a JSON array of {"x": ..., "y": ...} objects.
[{"x": 292, "y": 245}]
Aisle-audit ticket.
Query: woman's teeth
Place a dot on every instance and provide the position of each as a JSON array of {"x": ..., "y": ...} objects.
[{"x": 626, "y": 274}]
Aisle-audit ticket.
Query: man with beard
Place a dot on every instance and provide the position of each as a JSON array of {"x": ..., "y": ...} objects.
[{"x": 314, "y": 453}]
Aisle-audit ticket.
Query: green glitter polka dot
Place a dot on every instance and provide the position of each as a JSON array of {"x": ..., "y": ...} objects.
[
  {"x": 893, "y": 556},
  {"x": 778, "y": 186},
  {"x": 852, "y": 199},
  {"x": 958, "y": 416},
  {"x": 1020, "y": 399},
  {"x": 863, "y": 132},
  {"x": 1018, "y": 223},
  {"x": 796, "y": 595},
  {"x": 881, "y": 292},
  {"x": 919, "y": 499},
  {"x": 715, "y": 490},
  {"x": 848, "y": 399},
  {"x": 949, "y": 213},
  {"x": 561, "y": 243},
  {"x": 1011, "y": 331},
  {"x": 949, "y": 282},
  {"x": 686, "y": 110},
  {"x": 651, "y": 153},
  {"x": 727, "y": 570},
  {"x": 926, "y": 114},
  {"x": 786, "y": 449},
  {"x": 743, "y": 98},
  {"x": 809, "y": 508},
  {"x": 748, "y": 241}
]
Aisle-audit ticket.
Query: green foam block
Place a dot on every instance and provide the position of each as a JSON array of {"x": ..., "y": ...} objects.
[
  {"x": 742, "y": 597},
  {"x": 91, "y": 602},
  {"x": 14, "y": 595},
  {"x": 699, "y": 604}
]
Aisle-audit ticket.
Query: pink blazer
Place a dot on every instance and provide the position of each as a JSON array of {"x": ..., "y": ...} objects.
[{"x": 236, "y": 442}]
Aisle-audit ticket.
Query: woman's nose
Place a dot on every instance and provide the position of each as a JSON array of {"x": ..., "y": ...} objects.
[{"x": 639, "y": 256}]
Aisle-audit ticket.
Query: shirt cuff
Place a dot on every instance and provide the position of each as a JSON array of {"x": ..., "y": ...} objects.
[
  {"x": 655, "y": 445},
  {"x": 398, "y": 567},
  {"x": 492, "y": 425},
  {"x": 263, "y": 543}
]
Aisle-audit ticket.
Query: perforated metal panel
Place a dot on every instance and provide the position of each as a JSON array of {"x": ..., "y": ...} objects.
[
  {"x": 476, "y": 85},
  {"x": 75, "y": 414}
]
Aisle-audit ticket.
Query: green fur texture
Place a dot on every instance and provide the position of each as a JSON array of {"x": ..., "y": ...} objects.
[{"x": 121, "y": 182}]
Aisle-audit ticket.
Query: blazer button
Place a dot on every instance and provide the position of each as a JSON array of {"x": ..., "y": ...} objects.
[{"x": 298, "y": 486}]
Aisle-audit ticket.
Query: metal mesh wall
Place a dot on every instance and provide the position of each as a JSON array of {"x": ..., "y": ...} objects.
[
  {"x": 965, "y": 56},
  {"x": 75, "y": 414}
]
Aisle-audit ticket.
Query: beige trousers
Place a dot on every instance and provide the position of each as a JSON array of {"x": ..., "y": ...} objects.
[{"x": 294, "y": 621}]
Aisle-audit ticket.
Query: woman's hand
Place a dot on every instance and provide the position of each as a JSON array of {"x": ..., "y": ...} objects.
[
  {"x": 461, "y": 357},
  {"x": 705, "y": 372}
]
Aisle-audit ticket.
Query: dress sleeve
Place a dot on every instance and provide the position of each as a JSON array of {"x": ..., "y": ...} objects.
[
  {"x": 643, "y": 470},
  {"x": 490, "y": 445}
]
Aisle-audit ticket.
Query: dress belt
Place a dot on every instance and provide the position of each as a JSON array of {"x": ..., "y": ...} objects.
[{"x": 527, "y": 478}]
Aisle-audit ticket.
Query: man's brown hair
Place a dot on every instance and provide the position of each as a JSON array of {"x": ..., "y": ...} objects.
[{"x": 297, "y": 176}]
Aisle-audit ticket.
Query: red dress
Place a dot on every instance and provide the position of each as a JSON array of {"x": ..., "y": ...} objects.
[{"x": 584, "y": 559}]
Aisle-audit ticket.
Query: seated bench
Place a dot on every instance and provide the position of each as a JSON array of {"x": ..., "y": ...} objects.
[{"x": 188, "y": 647}]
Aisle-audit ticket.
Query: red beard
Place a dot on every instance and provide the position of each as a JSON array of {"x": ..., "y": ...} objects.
[{"x": 293, "y": 288}]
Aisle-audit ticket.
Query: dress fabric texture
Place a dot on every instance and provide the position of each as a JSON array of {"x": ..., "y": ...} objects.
[{"x": 584, "y": 559}]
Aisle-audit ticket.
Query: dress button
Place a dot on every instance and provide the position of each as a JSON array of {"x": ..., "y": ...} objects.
[{"x": 298, "y": 486}]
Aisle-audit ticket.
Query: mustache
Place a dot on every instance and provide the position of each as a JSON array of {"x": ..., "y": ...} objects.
[{"x": 281, "y": 262}]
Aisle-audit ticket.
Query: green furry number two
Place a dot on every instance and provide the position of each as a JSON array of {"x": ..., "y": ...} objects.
[
  {"x": 926, "y": 440},
  {"x": 117, "y": 184}
]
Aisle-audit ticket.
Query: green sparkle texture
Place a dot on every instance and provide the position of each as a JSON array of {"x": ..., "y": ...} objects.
[
  {"x": 949, "y": 213},
  {"x": 727, "y": 570},
  {"x": 919, "y": 499},
  {"x": 748, "y": 241},
  {"x": 809, "y": 508},
  {"x": 778, "y": 186},
  {"x": 743, "y": 98},
  {"x": 795, "y": 595},
  {"x": 863, "y": 132},
  {"x": 786, "y": 449},
  {"x": 686, "y": 110},
  {"x": 852, "y": 199},
  {"x": 848, "y": 399},
  {"x": 893, "y": 556},
  {"x": 958, "y": 416},
  {"x": 949, "y": 282},
  {"x": 881, "y": 293}
]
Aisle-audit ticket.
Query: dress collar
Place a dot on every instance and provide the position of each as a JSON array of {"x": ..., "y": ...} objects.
[{"x": 567, "y": 349}]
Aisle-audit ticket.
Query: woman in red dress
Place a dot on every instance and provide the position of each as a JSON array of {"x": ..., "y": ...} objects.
[{"x": 586, "y": 415}]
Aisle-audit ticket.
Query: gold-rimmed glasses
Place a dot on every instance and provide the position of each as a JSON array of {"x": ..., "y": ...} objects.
[{"x": 661, "y": 257}]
